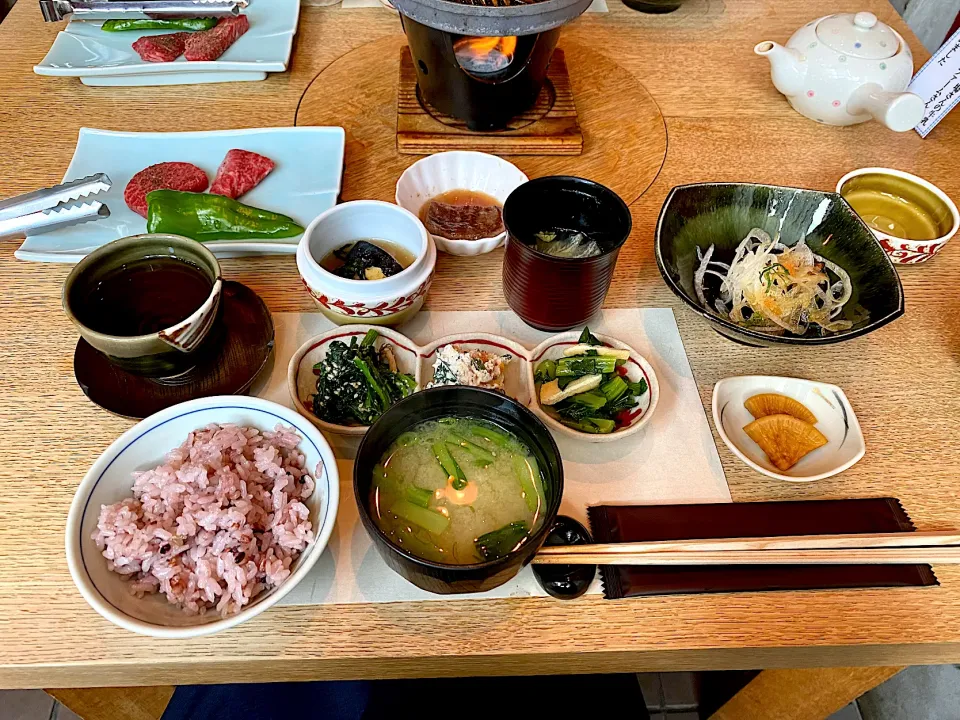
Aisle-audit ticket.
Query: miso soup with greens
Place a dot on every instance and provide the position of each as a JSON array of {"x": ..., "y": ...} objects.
[{"x": 458, "y": 491}]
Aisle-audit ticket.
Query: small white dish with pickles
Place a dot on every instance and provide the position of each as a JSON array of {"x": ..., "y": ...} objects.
[
  {"x": 597, "y": 390},
  {"x": 788, "y": 428}
]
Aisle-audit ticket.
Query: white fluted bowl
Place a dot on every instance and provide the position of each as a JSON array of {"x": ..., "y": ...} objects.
[{"x": 459, "y": 170}]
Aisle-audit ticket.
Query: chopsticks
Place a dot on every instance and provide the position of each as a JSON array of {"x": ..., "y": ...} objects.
[{"x": 854, "y": 549}]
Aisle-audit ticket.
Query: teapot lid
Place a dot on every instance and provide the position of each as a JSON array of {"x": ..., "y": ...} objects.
[{"x": 859, "y": 35}]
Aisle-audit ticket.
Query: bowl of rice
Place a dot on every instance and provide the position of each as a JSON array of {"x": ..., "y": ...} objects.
[{"x": 202, "y": 516}]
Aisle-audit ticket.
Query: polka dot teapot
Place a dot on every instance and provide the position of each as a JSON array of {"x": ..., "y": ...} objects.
[{"x": 846, "y": 69}]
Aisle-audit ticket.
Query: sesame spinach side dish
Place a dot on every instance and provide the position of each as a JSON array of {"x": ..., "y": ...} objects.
[{"x": 356, "y": 383}]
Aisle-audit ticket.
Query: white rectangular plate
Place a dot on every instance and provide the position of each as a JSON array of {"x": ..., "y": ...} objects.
[
  {"x": 84, "y": 50},
  {"x": 305, "y": 182}
]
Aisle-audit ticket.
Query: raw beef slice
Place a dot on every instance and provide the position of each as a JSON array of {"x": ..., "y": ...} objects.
[
  {"x": 161, "y": 48},
  {"x": 211, "y": 44},
  {"x": 240, "y": 172},
  {"x": 162, "y": 176}
]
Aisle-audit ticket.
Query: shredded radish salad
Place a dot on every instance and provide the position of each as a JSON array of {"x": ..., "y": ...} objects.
[{"x": 773, "y": 288}]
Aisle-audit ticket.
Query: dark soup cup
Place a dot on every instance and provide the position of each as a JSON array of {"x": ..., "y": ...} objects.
[
  {"x": 468, "y": 403},
  {"x": 554, "y": 292}
]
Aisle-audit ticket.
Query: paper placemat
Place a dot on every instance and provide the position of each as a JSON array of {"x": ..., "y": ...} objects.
[{"x": 674, "y": 460}]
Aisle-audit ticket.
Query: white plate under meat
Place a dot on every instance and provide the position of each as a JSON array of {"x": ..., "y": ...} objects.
[
  {"x": 85, "y": 51},
  {"x": 304, "y": 183}
]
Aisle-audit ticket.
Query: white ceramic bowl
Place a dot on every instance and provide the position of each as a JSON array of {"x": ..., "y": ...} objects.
[
  {"x": 901, "y": 250},
  {"x": 390, "y": 301},
  {"x": 459, "y": 170},
  {"x": 302, "y": 382},
  {"x": 835, "y": 419},
  {"x": 143, "y": 447},
  {"x": 637, "y": 368}
]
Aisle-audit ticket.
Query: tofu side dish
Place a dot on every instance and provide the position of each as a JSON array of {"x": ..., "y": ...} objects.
[{"x": 476, "y": 368}]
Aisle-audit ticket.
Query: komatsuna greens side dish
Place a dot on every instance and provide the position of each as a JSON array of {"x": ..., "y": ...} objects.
[
  {"x": 588, "y": 388},
  {"x": 356, "y": 383}
]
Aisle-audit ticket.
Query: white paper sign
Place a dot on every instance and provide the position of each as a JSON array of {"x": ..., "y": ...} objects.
[{"x": 938, "y": 83}]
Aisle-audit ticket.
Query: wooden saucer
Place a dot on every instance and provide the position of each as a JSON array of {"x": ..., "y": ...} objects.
[
  {"x": 624, "y": 135},
  {"x": 229, "y": 367}
]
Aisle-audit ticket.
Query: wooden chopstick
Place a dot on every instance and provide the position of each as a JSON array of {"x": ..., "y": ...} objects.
[
  {"x": 875, "y": 556},
  {"x": 865, "y": 548}
]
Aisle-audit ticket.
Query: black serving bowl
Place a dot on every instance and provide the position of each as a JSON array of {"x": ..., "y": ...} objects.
[
  {"x": 465, "y": 402},
  {"x": 723, "y": 214}
]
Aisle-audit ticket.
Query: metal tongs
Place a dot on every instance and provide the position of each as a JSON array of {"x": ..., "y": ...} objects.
[
  {"x": 54, "y": 10},
  {"x": 54, "y": 207}
]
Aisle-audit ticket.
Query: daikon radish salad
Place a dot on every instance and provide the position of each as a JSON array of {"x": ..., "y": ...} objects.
[{"x": 458, "y": 491}]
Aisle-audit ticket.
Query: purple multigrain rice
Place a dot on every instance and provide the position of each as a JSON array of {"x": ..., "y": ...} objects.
[{"x": 220, "y": 521}]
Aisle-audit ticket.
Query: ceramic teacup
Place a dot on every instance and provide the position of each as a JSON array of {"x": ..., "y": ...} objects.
[
  {"x": 386, "y": 301},
  {"x": 903, "y": 193},
  {"x": 163, "y": 353}
]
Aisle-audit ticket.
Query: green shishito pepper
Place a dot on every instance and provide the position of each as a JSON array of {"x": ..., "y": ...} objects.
[
  {"x": 206, "y": 217},
  {"x": 146, "y": 24}
]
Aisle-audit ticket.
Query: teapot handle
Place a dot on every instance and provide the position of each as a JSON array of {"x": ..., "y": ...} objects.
[{"x": 899, "y": 111}]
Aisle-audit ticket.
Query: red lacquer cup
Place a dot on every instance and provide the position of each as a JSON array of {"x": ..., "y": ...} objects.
[{"x": 555, "y": 293}]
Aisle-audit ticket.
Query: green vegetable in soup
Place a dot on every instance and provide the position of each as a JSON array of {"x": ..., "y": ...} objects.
[
  {"x": 488, "y": 433},
  {"x": 449, "y": 465},
  {"x": 432, "y": 522},
  {"x": 530, "y": 484},
  {"x": 419, "y": 496},
  {"x": 498, "y": 543},
  {"x": 478, "y": 452}
]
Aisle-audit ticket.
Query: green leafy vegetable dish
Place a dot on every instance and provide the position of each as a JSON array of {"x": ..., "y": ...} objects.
[
  {"x": 356, "y": 383},
  {"x": 588, "y": 388}
]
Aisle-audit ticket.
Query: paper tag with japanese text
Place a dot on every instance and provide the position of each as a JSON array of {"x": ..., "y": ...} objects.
[{"x": 938, "y": 83}]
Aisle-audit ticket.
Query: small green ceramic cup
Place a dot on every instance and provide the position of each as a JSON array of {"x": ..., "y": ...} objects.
[{"x": 170, "y": 351}]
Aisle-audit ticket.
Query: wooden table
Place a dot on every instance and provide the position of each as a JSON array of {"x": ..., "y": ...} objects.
[{"x": 725, "y": 122}]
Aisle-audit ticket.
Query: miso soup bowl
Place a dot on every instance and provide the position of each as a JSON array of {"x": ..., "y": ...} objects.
[
  {"x": 390, "y": 301},
  {"x": 472, "y": 403},
  {"x": 168, "y": 352}
]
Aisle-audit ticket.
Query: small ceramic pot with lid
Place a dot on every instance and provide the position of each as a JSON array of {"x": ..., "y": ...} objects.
[{"x": 845, "y": 69}]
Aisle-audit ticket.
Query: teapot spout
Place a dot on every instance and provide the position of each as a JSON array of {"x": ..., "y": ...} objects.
[
  {"x": 786, "y": 66},
  {"x": 899, "y": 111}
]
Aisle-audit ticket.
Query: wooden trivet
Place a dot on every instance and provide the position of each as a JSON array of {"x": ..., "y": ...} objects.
[
  {"x": 624, "y": 135},
  {"x": 550, "y": 127}
]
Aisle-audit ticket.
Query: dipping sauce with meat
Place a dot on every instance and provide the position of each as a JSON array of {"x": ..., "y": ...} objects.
[{"x": 463, "y": 215}]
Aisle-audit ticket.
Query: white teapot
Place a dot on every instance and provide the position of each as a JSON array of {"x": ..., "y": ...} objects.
[{"x": 844, "y": 69}]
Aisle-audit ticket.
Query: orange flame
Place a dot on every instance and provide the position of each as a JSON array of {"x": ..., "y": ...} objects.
[{"x": 485, "y": 54}]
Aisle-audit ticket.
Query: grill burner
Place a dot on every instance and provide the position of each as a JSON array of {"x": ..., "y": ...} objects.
[{"x": 483, "y": 61}]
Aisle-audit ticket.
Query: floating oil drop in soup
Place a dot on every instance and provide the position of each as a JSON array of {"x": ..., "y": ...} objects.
[
  {"x": 142, "y": 297},
  {"x": 458, "y": 491}
]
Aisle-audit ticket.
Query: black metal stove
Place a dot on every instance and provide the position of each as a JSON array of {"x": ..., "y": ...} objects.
[{"x": 483, "y": 63}]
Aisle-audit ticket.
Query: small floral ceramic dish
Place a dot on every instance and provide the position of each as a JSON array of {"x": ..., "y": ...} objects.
[
  {"x": 501, "y": 362},
  {"x": 387, "y": 300},
  {"x": 895, "y": 205},
  {"x": 302, "y": 380},
  {"x": 459, "y": 170},
  {"x": 637, "y": 369},
  {"x": 835, "y": 419},
  {"x": 110, "y": 479}
]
